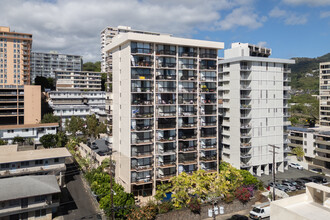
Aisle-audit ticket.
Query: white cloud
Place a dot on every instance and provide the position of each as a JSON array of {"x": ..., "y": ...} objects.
[
  {"x": 73, "y": 26},
  {"x": 308, "y": 2},
  {"x": 289, "y": 17},
  {"x": 243, "y": 16},
  {"x": 325, "y": 14}
]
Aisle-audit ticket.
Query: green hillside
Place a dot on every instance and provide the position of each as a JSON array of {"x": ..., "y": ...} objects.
[{"x": 307, "y": 65}]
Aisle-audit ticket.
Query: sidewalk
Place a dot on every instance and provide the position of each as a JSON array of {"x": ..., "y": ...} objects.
[{"x": 228, "y": 216}]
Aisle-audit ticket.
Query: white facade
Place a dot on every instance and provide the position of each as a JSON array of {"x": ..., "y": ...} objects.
[
  {"x": 77, "y": 103},
  {"x": 165, "y": 108},
  {"x": 78, "y": 80},
  {"x": 34, "y": 131},
  {"x": 44, "y": 64},
  {"x": 324, "y": 94},
  {"x": 253, "y": 93}
]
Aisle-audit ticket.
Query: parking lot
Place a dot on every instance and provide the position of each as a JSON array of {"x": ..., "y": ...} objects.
[{"x": 290, "y": 174}]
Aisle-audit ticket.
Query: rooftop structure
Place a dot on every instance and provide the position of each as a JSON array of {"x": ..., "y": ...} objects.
[
  {"x": 253, "y": 107},
  {"x": 96, "y": 151},
  {"x": 165, "y": 104},
  {"x": 29, "y": 197},
  {"x": 314, "y": 204},
  {"x": 45, "y": 64},
  {"x": 78, "y": 80},
  {"x": 15, "y": 50}
]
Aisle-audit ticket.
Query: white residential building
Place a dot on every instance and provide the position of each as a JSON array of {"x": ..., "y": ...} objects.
[
  {"x": 325, "y": 94},
  {"x": 45, "y": 64},
  {"x": 77, "y": 103},
  {"x": 253, "y": 106},
  {"x": 165, "y": 115},
  {"x": 34, "y": 131},
  {"x": 78, "y": 80},
  {"x": 29, "y": 197}
]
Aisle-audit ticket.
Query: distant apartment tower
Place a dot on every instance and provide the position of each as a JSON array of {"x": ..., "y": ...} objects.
[
  {"x": 45, "y": 64},
  {"x": 253, "y": 106},
  {"x": 78, "y": 81},
  {"x": 15, "y": 49},
  {"x": 165, "y": 108},
  {"x": 325, "y": 94},
  {"x": 106, "y": 38},
  {"x": 20, "y": 105}
]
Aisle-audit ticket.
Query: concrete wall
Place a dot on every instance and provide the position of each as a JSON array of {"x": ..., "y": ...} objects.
[{"x": 32, "y": 104}]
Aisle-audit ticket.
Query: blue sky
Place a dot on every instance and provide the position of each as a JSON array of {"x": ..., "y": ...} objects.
[{"x": 292, "y": 28}]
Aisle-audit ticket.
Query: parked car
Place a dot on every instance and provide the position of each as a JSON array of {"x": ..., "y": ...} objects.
[
  {"x": 300, "y": 183},
  {"x": 294, "y": 183},
  {"x": 319, "y": 179},
  {"x": 282, "y": 188},
  {"x": 239, "y": 217},
  {"x": 307, "y": 180},
  {"x": 260, "y": 211},
  {"x": 296, "y": 166},
  {"x": 290, "y": 186},
  {"x": 317, "y": 170}
]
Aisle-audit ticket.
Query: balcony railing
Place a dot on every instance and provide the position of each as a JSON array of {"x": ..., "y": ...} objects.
[
  {"x": 245, "y": 87},
  {"x": 166, "y": 101},
  {"x": 187, "y": 113},
  {"x": 208, "y": 78},
  {"x": 140, "y": 141},
  {"x": 189, "y": 78},
  {"x": 166, "y": 52},
  {"x": 245, "y": 97},
  {"x": 164, "y": 77},
  {"x": 188, "y": 90},
  {"x": 188, "y": 66},
  {"x": 142, "y": 89},
  {"x": 166, "y": 89},
  {"x": 185, "y": 137},
  {"x": 142, "y": 154},
  {"x": 166, "y": 125},
  {"x": 166, "y": 65},
  {"x": 188, "y": 149},
  {"x": 143, "y": 64},
  {"x": 188, "y": 101},
  {"x": 141, "y": 167},
  {"x": 208, "y": 55},
  {"x": 208, "y": 158},
  {"x": 207, "y": 90},
  {"x": 245, "y": 106},
  {"x": 164, "y": 139},
  {"x": 166, "y": 114},
  {"x": 245, "y": 68},
  {"x": 188, "y": 125},
  {"x": 209, "y": 123},
  {"x": 142, "y": 102},
  {"x": 208, "y": 67},
  {"x": 208, "y": 101},
  {"x": 245, "y": 135},
  {"x": 188, "y": 54},
  {"x": 142, "y": 127},
  {"x": 141, "y": 50},
  {"x": 166, "y": 163},
  {"x": 144, "y": 115}
]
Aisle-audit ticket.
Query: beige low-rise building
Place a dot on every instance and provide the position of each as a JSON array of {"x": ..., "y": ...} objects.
[
  {"x": 43, "y": 161},
  {"x": 29, "y": 197},
  {"x": 95, "y": 151},
  {"x": 78, "y": 81},
  {"x": 314, "y": 204}
]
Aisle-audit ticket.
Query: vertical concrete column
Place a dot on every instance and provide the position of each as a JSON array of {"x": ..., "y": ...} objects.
[
  {"x": 259, "y": 171},
  {"x": 281, "y": 167}
]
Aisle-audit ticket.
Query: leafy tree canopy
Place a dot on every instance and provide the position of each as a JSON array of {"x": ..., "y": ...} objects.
[{"x": 50, "y": 118}]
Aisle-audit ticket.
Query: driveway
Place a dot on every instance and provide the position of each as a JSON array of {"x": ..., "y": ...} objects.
[
  {"x": 291, "y": 173},
  {"x": 77, "y": 201}
]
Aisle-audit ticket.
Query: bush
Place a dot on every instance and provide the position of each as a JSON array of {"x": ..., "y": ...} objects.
[
  {"x": 165, "y": 207},
  {"x": 243, "y": 194},
  {"x": 147, "y": 212},
  {"x": 248, "y": 178},
  {"x": 194, "y": 205},
  {"x": 228, "y": 198}
]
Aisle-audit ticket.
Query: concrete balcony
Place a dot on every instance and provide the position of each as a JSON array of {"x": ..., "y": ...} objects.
[
  {"x": 245, "y": 68},
  {"x": 326, "y": 151},
  {"x": 321, "y": 141},
  {"x": 298, "y": 138},
  {"x": 295, "y": 145},
  {"x": 31, "y": 170}
]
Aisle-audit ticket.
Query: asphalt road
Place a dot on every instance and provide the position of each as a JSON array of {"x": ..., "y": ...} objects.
[{"x": 76, "y": 201}]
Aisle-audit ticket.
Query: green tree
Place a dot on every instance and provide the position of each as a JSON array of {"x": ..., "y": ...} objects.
[
  {"x": 45, "y": 83},
  {"x": 90, "y": 66},
  {"x": 94, "y": 127},
  {"x": 74, "y": 125},
  {"x": 18, "y": 140},
  {"x": 248, "y": 178},
  {"x": 61, "y": 139},
  {"x": 48, "y": 141},
  {"x": 3, "y": 142},
  {"x": 299, "y": 152},
  {"x": 50, "y": 118}
]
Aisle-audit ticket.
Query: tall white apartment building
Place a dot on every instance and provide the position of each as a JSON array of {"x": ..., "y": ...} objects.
[
  {"x": 165, "y": 114},
  {"x": 78, "y": 81},
  {"x": 325, "y": 94},
  {"x": 254, "y": 108},
  {"x": 45, "y": 64}
]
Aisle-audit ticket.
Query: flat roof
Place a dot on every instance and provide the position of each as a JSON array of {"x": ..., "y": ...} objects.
[
  {"x": 161, "y": 39},
  {"x": 74, "y": 71},
  {"x": 9, "y": 156},
  {"x": 100, "y": 146},
  {"x": 309, "y": 210},
  {"x": 300, "y": 129},
  {"x": 258, "y": 59},
  {"x": 27, "y": 186},
  {"x": 42, "y": 125}
]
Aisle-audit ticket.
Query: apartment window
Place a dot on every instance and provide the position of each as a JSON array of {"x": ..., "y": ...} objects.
[
  {"x": 40, "y": 213},
  {"x": 305, "y": 142},
  {"x": 40, "y": 198},
  {"x": 5, "y": 166},
  {"x": 39, "y": 162},
  {"x": 56, "y": 160},
  {"x": 305, "y": 135},
  {"x": 14, "y": 202},
  {"x": 25, "y": 163}
]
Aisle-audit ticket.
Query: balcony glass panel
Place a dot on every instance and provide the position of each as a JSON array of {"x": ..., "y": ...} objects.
[
  {"x": 187, "y": 134},
  {"x": 142, "y": 74},
  {"x": 187, "y": 75},
  {"x": 142, "y": 112},
  {"x": 166, "y": 123},
  {"x": 186, "y": 122},
  {"x": 166, "y": 50},
  {"x": 166, "y": 135},
  {"x": 141, "y": 61},
  {"x": 208, "y": 65},
  {"x": 166, "y": 99},
  {"x": 187, "y": 52},
  {"x": 166, "y": 62},
  {"x": 187, "y": 110},
  {"x": 187, "y": 87},
  {"x": 165, "y": 74},
  {"x": 187, "y": 98},
  {"x": 168, "y": 86}
]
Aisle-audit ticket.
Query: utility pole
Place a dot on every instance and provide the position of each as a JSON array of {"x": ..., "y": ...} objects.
[{"x": 274, "y": 164}]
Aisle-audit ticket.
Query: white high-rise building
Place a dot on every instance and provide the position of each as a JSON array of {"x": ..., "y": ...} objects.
[
  {"x": 165, "y": 114},
  {"x": 324, "y": 94},
  {"x": 253, "y": 106}
]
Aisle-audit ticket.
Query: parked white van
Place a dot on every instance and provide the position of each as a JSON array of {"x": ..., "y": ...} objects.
[{"x": 260, "y": 211}]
